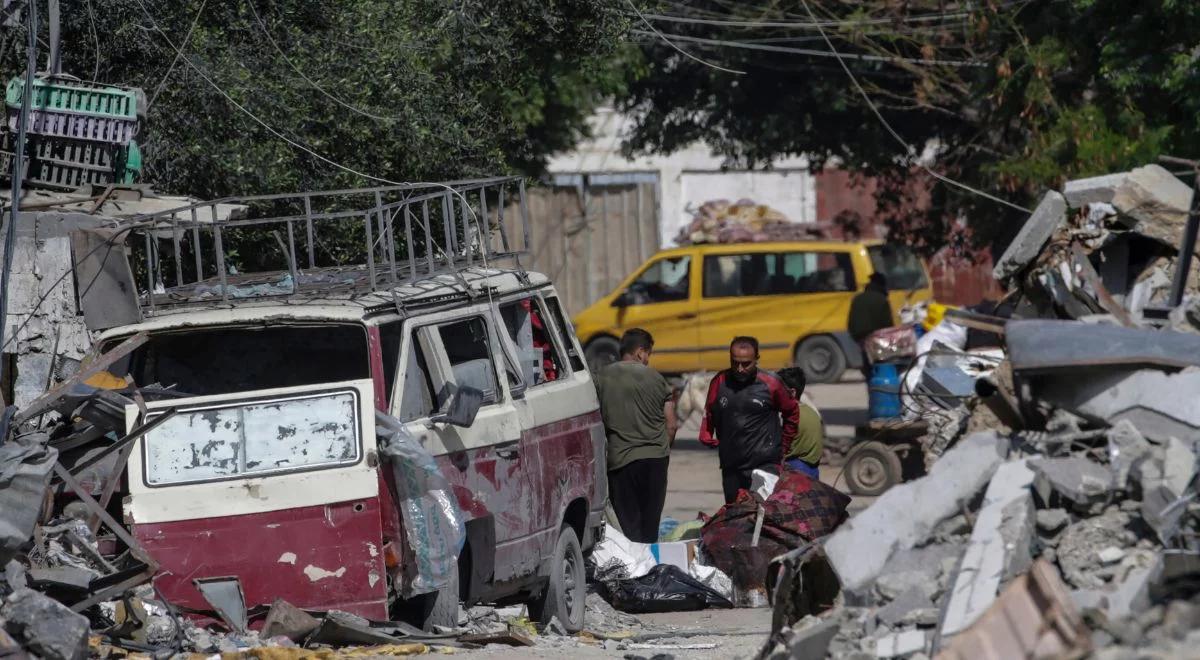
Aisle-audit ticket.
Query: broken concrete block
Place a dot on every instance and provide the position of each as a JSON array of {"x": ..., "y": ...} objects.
[
  {"x": 1090, "y": 600},
  {"x": 813, "y": 640},
  {"x": 1132, "y": 594},
  {"x": 1111, "y": 555},
  {"x": 902, "y": 606},
  {"x": 1075, "y": 479},
  {"x": 892, "y": 585},
  {"x": 287, "y": 620},
  {"x": 1156, "y": 200},
  {"x": 1050, "y": 214},
  {"x": 1079, "y": 547},
  {"x": 46, "y": 626},
  {"x": 1126, "y": 447},
  {"x": 61, "y": 577},
  {"x": 900, "y": 644},
  {"x": 905, "y": 515},
  {"x": 1179, "y": 464},
  {"x": 1093, "y": 190},
  {"x": 1000, "y": 547},
  {"x": 1049, "y": 521}
]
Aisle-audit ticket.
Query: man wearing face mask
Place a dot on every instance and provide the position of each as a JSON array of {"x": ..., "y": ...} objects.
[
  {"x": 638, "y": 411},
  {"x": 753, "y": 416}
]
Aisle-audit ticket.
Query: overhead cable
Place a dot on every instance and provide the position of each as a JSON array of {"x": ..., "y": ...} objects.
[
  {"x": 908, "y": 149},
  {"x": 676, "y": 47}
]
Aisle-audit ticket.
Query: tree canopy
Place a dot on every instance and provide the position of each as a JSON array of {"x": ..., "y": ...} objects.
[
  {"x": 404, "y": 90},
  {"x": 1011, "y": 96}
]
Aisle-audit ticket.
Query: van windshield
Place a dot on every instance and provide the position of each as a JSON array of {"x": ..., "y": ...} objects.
[
  {"x": 234, "y": 359},
  {"x": 899, "y": 265}
]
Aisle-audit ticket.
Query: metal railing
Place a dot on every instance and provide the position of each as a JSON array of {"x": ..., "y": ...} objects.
[{"x": 353, "y": 241}]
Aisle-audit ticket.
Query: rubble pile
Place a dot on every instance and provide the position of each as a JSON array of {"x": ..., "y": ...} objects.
[
  {"x": 1059, "y": 513},
  {"x": 743, "y": 221}
]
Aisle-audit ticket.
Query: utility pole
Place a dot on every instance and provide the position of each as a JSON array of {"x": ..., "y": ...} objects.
[{"x": 18, "y": 165}]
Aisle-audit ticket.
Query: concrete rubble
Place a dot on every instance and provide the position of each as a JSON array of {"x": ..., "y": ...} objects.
[{"x": 1065, "y": 505}]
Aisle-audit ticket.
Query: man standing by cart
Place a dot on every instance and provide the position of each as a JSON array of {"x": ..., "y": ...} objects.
[{"x": 752, "y": 415}]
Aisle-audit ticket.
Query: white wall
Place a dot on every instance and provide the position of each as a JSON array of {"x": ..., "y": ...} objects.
[{"x": 691, "y": 176}]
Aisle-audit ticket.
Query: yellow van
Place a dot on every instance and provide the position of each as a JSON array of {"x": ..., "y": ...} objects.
[{"x": 794, "y": 297}]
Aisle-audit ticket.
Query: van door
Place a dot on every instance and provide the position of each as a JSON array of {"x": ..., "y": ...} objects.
[
  {"x": 662, "y": 300},
  {"x": 779, "y": 298},
  {"x": 483, "y": 462},
  {"x": 562, "y": 439},
  {"x": 277, "y": 489}
]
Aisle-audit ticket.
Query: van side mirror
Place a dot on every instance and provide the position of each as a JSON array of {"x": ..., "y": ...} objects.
[{"x": 461, "y": 406}]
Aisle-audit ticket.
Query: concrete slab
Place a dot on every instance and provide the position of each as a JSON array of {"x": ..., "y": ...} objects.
[
  {"x": 1000, "y": 546},
  {"x": 1049, "y": 215},
  {"x": 906, "y": 515},
  {"x": 1078, "y": 481}
]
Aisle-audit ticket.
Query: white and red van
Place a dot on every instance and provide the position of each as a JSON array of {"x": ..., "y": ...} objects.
[{"x": 269, "y": 471}]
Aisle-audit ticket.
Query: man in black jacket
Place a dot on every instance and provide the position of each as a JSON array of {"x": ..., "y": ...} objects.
[{"x": 753, "y": 416}]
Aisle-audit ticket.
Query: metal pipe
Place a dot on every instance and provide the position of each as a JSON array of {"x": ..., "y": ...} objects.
[
  {"x": 1187, "y": 247},
  {"x": 18, "y": 172},
  {"x": 408, "y": 243},
  {"x": 312, "y": 253},
  {"x": 219, "y": 249}
]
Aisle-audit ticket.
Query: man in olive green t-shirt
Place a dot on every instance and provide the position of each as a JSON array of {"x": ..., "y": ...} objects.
[{"x": 639, "y": 420}]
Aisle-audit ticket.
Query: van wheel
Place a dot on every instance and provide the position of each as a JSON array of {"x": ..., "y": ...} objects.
[
  {"x": 601, "y": 352},
  {"x": 821, "y": 358},
  {"x": 566, "y": 589},
  {"x": 441, "y": 608},
  {"x": 872, "y": 469}
]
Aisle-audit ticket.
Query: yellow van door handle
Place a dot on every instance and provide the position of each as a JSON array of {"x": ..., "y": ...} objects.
[{"x": 689, "y": 315}]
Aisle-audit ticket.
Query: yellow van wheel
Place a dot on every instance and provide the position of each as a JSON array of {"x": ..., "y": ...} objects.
[{"x": 821, "y": 358}]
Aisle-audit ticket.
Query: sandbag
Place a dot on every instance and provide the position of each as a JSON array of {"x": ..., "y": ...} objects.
[{"x": 664, "y": 589}]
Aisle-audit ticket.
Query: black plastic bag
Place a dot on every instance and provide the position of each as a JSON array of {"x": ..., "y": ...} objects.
[{"x": 664, "y": 589}]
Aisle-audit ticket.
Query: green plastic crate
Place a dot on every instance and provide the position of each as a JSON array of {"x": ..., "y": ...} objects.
[
  {"x": 76, "y": 98},
  {"x": 67, "y": 164}
]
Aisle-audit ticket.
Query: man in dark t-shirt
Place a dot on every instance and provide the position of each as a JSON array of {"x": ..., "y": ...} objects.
[{"x": 639, "y": 422}]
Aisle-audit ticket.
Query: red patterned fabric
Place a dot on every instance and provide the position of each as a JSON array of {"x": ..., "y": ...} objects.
[{"x": 800, "y": 510}]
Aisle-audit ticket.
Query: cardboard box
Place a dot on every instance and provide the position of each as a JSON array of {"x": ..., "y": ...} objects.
[{"x": 681, "y": 554}]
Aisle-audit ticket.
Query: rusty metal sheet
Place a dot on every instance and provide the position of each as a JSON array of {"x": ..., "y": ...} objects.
[{"x": 103, "y": 279}]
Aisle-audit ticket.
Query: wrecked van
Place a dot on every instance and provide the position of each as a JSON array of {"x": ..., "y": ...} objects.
[{"x": 271, "y": 480}]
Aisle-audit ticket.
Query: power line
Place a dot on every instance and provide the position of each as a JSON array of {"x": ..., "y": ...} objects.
[
  {"x": 819, "y": 53},
  {"x": 178, "y": 53},
  {"x": 908, "y": 149},
  {"x": 814, "y": 24},
  {"x": 676, "y": 47},
  {"x": 308, "y": 80}
]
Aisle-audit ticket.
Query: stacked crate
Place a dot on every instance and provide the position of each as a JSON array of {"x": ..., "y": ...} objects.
[{"x": 78, "y": 134}]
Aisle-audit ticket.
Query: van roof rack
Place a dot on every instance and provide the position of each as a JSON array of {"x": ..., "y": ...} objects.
[{"x": 344, "y": 243}]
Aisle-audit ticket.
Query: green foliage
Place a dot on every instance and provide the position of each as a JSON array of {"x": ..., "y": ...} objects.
[
  {"x": 1047, "y": 90},
  {"x": 465, "y": 89}
]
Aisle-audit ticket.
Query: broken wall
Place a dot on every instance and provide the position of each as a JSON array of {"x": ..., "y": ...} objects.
[{"x": 50, "y": 336}]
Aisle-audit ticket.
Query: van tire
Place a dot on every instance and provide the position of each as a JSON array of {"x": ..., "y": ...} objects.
[
  {"x": 601, "y": 352},
  {"x": 565, "y": 592},
  {"x": 821, "y": 358},
  {"x": 442, "y": 606}
]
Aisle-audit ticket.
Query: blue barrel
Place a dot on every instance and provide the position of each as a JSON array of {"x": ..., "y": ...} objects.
[{"x": 883, "y": 396}]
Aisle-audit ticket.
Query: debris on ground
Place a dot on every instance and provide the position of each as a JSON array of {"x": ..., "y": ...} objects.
[
  {"x": 743, "y": 221},
  {"x": 1059, "y": 514}
]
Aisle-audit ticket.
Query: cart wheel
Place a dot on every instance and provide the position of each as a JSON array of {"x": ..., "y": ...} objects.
[{"x": 872, "y": 469}]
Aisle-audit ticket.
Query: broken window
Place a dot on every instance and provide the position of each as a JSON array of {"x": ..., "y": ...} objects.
[
  {"x": 565, "y": 333},
  {"x": 242, "y": 359},
  {"x": 416, "y": 393},
  {"x": 526, "y": 325},
  {"x": 227, "y": 441},
  {"x": 469, "y": 354},
  {"x": 390, "y": 335}
]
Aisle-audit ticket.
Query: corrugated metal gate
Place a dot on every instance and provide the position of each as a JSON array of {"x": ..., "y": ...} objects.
[{"x": 589, "y": 231}]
